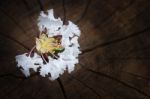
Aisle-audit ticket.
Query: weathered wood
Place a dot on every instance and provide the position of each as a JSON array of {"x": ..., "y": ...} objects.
[{"x": 115, "y": 41}]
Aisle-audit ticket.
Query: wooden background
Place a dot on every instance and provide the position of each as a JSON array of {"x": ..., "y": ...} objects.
[{"x": 115, "y": 40}]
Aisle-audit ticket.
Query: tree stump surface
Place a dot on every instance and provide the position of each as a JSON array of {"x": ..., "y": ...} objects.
[{"x": 115, "y": 41}]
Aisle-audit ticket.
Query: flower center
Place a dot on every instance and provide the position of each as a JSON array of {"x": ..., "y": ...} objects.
[{"x": 45, "y": 44}]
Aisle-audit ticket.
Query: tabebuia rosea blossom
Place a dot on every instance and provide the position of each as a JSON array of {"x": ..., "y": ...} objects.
[{"x": 56, "y": 48}]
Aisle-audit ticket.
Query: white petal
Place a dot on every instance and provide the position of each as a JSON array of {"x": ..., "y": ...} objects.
[
  {"x": 27, "y": 62},
  {"x": 74, "y": 28}
]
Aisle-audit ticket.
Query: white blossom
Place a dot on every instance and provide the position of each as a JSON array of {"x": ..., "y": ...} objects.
[
  {"x": 54, "y": 67},
  {"x": 27, "y": 62},
  {"x": 66, "y": 59}
]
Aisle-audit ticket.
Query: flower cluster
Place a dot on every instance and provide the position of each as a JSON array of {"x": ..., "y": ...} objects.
[{"x": 57, "y": 48}]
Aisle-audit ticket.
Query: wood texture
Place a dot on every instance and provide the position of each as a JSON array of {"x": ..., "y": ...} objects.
[{"x": 115, "y": 40}]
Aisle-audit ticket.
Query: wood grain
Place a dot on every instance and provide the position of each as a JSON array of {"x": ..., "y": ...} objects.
[{"x": 115, "y": 42}]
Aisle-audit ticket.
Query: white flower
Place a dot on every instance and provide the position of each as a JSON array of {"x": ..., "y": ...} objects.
[
  {"x": 70, "y": 30},
  {"x": 66, "y": 59},
  {"x": 54, "y": 67},
  {"x": 27, "y": 62},
  {"x": 65, "y": 42},
  {"x": 74, "y": 41},
  {"x": 69, "y": 57},
  {"x": 71, "y": 64},
  {"x": 50, "y": 23}
]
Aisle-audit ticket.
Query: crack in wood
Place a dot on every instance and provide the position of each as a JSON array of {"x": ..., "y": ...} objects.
[
  {"x": 64, "y": 11},
  {"x": 12, "y": 90},
  {"x": 13, "y": 20},
  {"x": 116, "y": 80},
  {"x": 22, "y": 78},
  {"x": 84, "y": 84},
  {"x": 41, "y": 5},
  {"x": 14, "y": 40},
  {"x": 26, "y": 5},
  {"x": 136, "y": 75},
  {"x": 115, "y": 41},
  {"x": 84, "y": 11},
  {"x": 62, "y": 88},
  {"x": 17, "y": 76},
  {"x": 116, "y": 11}
]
